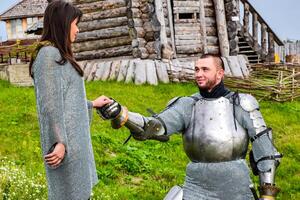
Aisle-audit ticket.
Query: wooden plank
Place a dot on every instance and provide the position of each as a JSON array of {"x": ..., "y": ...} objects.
[
  {"x": 186, "y": 3},
  {"x": 188, "y": 42},
  {"x": 190, "y": 21},
  {"x": 190, "y": 49},
  {"x": 195, "y": 3},
  {"x": 197, "y": 25},
  {"x": 185, "y": 10},
  {"x": 188, "y": 37},
  {"x": 186, "y": 29}
]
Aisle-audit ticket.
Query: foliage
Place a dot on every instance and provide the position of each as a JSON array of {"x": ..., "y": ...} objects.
[{"x": 137, "y": 170}]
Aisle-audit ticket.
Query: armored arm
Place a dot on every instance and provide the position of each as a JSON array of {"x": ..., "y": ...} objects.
[
  {"x": 264, "y": 158},
  {"x": 141, "y": 128}
]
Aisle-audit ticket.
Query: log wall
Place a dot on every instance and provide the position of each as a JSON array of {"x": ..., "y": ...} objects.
[{"x": 104, "y": 30}]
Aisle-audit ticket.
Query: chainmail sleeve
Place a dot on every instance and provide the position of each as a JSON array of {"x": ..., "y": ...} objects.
[{"x": 50, "y": 87}]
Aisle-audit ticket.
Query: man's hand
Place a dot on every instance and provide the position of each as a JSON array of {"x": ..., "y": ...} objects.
[
  {"x": 101, "y": 101},
  {"x": 110, "y": 111},
  {"x": 54, "y": 158}
]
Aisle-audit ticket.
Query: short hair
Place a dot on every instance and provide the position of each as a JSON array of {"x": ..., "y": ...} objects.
[{"x": 216, "y": 57}]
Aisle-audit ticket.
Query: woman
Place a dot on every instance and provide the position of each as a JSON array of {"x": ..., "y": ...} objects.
[{"x": 64, "y": 113}]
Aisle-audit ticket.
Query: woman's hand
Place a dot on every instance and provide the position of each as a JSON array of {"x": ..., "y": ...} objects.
[
  {"x": 101, "y": 101},
  {"x": 54, "y": 158}
]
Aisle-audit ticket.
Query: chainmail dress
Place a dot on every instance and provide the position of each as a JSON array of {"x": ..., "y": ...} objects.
[{"x": 64, "y": 116}]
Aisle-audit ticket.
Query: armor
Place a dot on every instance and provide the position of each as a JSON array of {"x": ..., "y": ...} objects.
[
  {"x": 264, "y": 157},
  {"x": 214, "y": 131},
  {"x": 211, "y": 135},
  {"x": 140, "y": 127}
]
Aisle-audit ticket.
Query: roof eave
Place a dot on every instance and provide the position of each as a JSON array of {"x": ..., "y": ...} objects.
[{"x": 20, "y": 17}]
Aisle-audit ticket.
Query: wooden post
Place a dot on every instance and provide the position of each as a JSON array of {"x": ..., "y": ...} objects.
[
  {"x": 263, "y": 39},
  {"x": 293, "y": 84},
  {"x": 202, "y": 25},
  {"x": 246, "y": 20},
  {"x": 222, "y": 27},
  {"x": 232, "y": 16},
  {"x": 170, "y": 16},
  {"x": 271, "y": 47},
  {"x": 255, "y": 31}
]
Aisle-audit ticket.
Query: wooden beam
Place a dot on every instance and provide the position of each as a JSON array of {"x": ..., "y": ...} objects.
[
  {"x": 101, "y": 5},
  {"x": 271, "y": 47},
  {"x": 222, "y": 27},
  {"x": 160, "y": 16},
  {"x": 255, "y": 31},
  {"x": 202, "y": 20},
  {"x": 101, "y": 44},
  {"x": 246, "y": 20},
  {"x": 170, "y": 16},
  {"x": 111, "y": 13},
  {"x": 105, "y": 53},
  {"x": 102, "y": 23},
  {"x": 264, "y": 39},
  {"x": 103, "y": 33}
]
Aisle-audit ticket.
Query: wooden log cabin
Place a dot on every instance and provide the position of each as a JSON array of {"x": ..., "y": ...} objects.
[
  {"x": 21, "y": 16},
  {"x": 144, "y": 28},
  {"x": 166, "y": 35},
  {"x": 174, "y": 30}
]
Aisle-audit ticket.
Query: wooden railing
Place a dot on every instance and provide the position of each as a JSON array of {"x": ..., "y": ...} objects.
[
  {"x": 268, "y": 38},
  {"x": 18, "y": 50}
]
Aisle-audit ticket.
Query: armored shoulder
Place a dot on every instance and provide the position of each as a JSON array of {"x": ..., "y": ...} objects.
[
  {"x": 180, "y": 101},
  {"x": 248, "y": 102}
]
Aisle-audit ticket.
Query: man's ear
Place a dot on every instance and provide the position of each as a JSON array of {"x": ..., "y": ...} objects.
[{"x": 220, "y": 74}]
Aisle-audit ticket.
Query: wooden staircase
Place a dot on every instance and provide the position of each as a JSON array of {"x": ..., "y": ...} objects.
[
  {"x": 256, "y": 49},
  {"x": 246, "y": 49}
]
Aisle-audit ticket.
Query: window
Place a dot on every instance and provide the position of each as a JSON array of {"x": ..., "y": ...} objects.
[
  {"x": 19, "y": 28},
  {"x": 186, "y": 15},
  {"x": 13, "y": 28}
]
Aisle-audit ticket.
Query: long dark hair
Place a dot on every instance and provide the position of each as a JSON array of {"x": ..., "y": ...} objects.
[{"x": 57, "y": 25}]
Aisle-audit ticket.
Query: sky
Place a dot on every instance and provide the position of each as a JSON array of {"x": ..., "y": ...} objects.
[{"x": 282, "y": 16}]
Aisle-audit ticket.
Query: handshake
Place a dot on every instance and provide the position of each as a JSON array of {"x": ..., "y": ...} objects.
[
  {"x": 141, "y": 128},
  {"x": 115, "y": 112}
]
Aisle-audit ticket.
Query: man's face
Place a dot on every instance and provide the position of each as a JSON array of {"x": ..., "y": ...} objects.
[{"x": 207, "y": 73}]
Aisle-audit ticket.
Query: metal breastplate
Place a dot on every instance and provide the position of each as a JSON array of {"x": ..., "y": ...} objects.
[{"x": 211, "y": 135}]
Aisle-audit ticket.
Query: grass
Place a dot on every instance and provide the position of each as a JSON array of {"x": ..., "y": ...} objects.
[{"x": 137, "y": 170}]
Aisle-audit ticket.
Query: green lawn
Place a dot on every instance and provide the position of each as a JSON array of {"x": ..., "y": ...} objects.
[{"x": 137, "y": 170}]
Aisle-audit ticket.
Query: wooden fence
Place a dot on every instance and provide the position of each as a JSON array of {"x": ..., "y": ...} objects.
[{"x": 270, "y": 82}]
